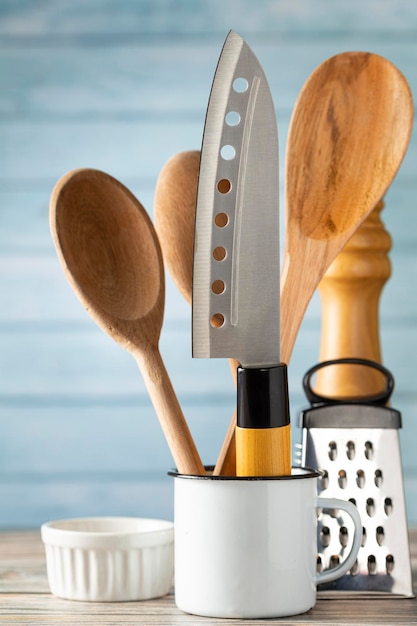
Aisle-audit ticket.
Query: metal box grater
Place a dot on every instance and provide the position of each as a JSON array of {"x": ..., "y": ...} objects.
[{"x": 356, "y": 446}]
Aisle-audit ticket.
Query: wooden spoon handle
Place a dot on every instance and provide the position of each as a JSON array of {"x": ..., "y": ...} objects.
[
  {"x": 226, "y": 461},
  {"x": 168, "y": 410}
]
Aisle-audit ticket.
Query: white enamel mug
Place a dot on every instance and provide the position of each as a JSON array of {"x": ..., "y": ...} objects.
[{"x": 247, "y": 547}]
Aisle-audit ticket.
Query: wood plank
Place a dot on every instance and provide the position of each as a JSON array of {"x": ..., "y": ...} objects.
[{"x": 24, "y": 598}]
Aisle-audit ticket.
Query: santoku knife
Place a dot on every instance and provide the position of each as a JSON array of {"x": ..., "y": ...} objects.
[{"x": 236, "y": 287}]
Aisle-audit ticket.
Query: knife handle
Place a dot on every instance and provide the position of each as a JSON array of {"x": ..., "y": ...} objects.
[
  {"x": 263, "y": 431},
  {"x": 263, "y": 451}
]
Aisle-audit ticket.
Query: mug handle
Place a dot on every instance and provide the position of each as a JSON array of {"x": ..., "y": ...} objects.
[{"x": 352, "y": 511}]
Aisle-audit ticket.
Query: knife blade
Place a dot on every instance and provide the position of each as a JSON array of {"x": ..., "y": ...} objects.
[{"x": 236, "y": 266}]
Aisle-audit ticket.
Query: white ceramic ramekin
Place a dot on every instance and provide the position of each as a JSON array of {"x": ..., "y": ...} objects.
[{"x": 109, "y": 559}]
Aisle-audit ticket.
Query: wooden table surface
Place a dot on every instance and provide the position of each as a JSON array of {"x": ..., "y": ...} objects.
[{"x": 25, "y": 598}]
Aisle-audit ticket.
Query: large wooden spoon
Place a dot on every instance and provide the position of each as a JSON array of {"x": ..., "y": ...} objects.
[
  {"x": 111, "y": 256},
  {"x": 348, "y": 135}
]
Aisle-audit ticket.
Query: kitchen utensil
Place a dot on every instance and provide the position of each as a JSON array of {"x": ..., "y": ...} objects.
[
  {"x": 348, "y": 135},
  {"x": 355, "y": 444},
  {"x": 110, "y": 254},
  {"x": 347, "y": 138},
  {"x": 236, "y": 256},
  {"x": 246, "y": 547},
  {"x": 174, "y": 214},
  {"x": 109, "y": 559}
]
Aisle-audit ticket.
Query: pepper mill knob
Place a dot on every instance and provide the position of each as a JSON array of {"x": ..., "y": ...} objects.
[{"x": 350, "y": 292}]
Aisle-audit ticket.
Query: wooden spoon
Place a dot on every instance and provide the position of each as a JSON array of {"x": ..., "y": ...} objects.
[
  {"x": 348, "y": 135},
  {"x": 111, "y": 257}
]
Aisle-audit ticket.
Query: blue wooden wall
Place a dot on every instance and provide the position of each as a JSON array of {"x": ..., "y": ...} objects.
[{"x": 121, "y": 85}]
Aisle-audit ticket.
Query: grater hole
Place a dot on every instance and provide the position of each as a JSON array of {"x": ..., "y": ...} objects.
[
  {"x": 380, "y": 535},
  {"x": 388, "y": 506},
  {"x": 389, "y": 563},
  {"x": 221, "y": 220},
  {"x": 369, "y": 450},
  {"x": 353, "y": 501},
  {"x": 319, "y": 564},
  {"x": 363, "y": 541},
  {"x": 324, "y": 479},
  {"x": 354, "y": 570},
  {"x": 371, "y": 565},
  {"x": 350, "y": 450},
  {"x": 378, "y": 478},
  {"x": 343, "y": 536},
  {"x": 325, "y": 536},
  {"x": 360, "y": 479},
  {"x": 342, "y": 480},
  {"x": 332, "y": 451},
  {"x": 370, "y": 507},
  {"x": 334, "y": 561}
]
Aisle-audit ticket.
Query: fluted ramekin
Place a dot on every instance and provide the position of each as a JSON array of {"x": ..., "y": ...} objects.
[{"x": 109, "y": 559}]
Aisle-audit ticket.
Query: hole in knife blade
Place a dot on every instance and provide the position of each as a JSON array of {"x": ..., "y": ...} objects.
[
  {"x": 224, "y": 185},
  {"x": 240, "y": 84},
  {"x": 232, "y": 118},
  {"x": 218, "y": 287},
  {"x": 217, "y": 320},
  {"x": 227, "y": 152},
  {"x": 221, "y": 220},
  {"x": 219, "y": 253}
]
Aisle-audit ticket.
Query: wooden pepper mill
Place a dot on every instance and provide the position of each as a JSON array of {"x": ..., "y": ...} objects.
[{"x": 350, "y": 292}]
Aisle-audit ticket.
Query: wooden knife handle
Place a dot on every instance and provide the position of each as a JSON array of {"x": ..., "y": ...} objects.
[
  {"x": 350, "y": 293},
  {"x": 263, "y": 451}
]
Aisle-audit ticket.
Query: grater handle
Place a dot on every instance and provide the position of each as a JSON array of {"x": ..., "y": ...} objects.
[{"x": 380, "y": 398}]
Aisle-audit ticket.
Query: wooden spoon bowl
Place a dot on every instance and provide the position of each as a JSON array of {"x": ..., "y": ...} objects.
[{"x": 112, "y": 266}]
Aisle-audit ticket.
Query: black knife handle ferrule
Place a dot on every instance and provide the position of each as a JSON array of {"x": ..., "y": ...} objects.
[{"x": 262, "y": 397}]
